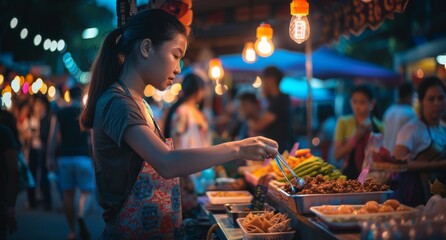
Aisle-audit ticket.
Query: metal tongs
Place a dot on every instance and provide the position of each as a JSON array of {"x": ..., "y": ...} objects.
[{"x": 300, "y": 182}]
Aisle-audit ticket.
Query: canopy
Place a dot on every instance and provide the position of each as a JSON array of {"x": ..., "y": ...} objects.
[{"x": 326, "y": 64}]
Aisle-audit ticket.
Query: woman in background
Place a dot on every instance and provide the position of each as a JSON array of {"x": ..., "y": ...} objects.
[
  {"x": 423, "y": 142},
  {"x": 352, "y": 131}
]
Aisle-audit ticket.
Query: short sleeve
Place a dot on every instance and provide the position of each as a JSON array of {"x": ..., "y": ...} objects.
[
  {"x": 406, "y": 136},
  {"x": 339, "y": 130},
  {"x": 120, "y": 114}
]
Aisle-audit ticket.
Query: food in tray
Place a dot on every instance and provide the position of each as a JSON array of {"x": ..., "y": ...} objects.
[
  {"x": 267, "y": 222},
  {"x": 318, "y": 185},
  {"x": 388, "y": 206},
  {"x": 303, "y": 164},
  {"x": 229, "y": 194}
]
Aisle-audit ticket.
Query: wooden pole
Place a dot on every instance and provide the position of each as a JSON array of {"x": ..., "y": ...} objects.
[{"x": 309, "y": 103}]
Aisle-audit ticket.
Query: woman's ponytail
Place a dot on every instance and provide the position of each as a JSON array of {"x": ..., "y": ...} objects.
[{"x": 105, "y": 71}]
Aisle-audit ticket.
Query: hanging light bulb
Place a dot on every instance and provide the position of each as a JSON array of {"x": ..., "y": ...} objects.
[
  {"x": 249, "y": 53},
  {"x": 299, "y": 26},
  {"x": 215, "y": 69},
  {"x": 264, "y": 45}
]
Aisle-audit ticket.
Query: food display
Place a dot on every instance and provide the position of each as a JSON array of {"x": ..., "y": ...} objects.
[
  {"x": 303, "y": 163},
  {"x": 320, "y": 185},
  {"x": 241, "y": 210},
  {"x": 223, "y": 197},
  {"x": 266, "y": 222},
  {"x": 350, "y": 215},
  {"x": 266, "y": 226},
  {"x": 390, "y": 205}
]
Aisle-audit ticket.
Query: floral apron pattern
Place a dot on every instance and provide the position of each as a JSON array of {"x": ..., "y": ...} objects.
[{"x": 152, "y": 210}]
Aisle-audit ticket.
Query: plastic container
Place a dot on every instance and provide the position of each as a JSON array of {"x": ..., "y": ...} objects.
[{"x": 224, "y": 197}]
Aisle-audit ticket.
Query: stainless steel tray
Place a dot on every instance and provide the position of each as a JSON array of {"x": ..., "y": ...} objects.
[
  {"x": 241, "y": 210},
  {"x": 301, "y": 203}
]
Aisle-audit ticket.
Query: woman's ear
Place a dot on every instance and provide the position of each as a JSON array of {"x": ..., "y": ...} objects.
[{"x": 145, "y": 47}]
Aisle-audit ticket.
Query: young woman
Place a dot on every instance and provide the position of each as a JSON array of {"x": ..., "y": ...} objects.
[
  {"x": 136, "y": 168},
  {"x": 352, "y": 131},
  {"x": 423, "y": 142}
]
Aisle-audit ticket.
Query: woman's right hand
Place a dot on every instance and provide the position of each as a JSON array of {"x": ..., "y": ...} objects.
[{"x": 257, "y": 148}]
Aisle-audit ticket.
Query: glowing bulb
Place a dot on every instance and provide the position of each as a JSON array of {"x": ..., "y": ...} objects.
[
  {"x": 66, "y": 96},
  {"x": 299, "y": 26},
  {"x": 149, "y": 90},
  {"x": 37, "y": 39},
  {"x": 1, "y": 79},
  {"x": 264, "y": 46},
  {"x": 257, "y": 83},
  {"x": 299, "y": 29},
  {"x": 23, "y": 33},
  {"x": 51, "y": 91},
  {"x": 15, "y": 85},
  {"x": 215, "y": 69},
  {"x": 13, "y": 23},
  {"x": 220, "y": 89},
  {"x": 249, "y": 53}
]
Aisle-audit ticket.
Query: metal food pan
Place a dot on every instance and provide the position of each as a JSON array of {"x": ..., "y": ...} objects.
[
  {"x": 241, "y": 210},
  {"x": 302, "y": 203}
]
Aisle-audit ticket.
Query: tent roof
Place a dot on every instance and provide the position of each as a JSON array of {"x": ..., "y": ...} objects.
[{"x": 326, "y": 64}]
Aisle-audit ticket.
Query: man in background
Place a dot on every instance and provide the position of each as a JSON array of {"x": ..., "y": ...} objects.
[
  {"x": 275, "y": 122},
  {"x": 398, "y": 114}
]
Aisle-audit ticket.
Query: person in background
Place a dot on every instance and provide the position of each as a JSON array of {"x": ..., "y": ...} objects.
[
  {"x": 249, "y": 109},
  {"x": 398, "y": 114},
  {"x": 70, "y": 146},
  {"x": 422, "y": 141},
  {"x": 352, "y": 131},
  {"x": 136, "y": 168},
  {"x": 275, "y": 122},
  {"x": 39, "y": 124},
  {"x": 327, "y": 131},
  {"x": 188, "y": 127},
  {"x": 9, "y": 175}
]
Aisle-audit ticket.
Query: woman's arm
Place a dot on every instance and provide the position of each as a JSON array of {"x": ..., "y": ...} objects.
[
  {"x": 170, "y": 164},
  {"x": 342, "y": 150},
  {"x": 403, "y": 153}
]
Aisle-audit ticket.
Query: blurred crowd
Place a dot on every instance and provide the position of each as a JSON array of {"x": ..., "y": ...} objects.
[{"x": 42, "y": 141}]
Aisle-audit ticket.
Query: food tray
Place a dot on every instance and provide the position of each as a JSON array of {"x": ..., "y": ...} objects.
[
  {"x": 354, "y": 219},
  {"x": 241, "y": 210},
  {"x": 265, "y": 236},
  {"x": 302, "y": 203},
  {"x": 246, "y": 198}
]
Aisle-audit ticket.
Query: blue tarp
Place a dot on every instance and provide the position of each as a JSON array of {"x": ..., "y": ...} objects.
[{"x": 326, "y": 64}]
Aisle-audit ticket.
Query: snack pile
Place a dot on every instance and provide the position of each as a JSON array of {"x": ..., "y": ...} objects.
[{"x": 267, "y": 222}]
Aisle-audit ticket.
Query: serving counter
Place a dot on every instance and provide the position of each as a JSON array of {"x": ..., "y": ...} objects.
[{"x": 306, "y": 226}]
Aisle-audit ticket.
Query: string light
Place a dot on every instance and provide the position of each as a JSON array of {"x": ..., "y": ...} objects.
[
  {"x": 37, "y": 40},
  {"x": 257, "y": 83},
  {"x": 264, "y": 45},
  {"x": 24, "y": 33},
  {"x": 149, "y": 90},
  {"x": 299, "y": 25},
  {"x": 216, "y": 71},
  {"x": 249, "y": 53},
  {"x": 13, "y": 23}
]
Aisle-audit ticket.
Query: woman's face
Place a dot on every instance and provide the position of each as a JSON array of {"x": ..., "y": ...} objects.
[
  {"x": 360, "y": 104},
  {"x": 163, "y": 64},
  {"x": 434, "y": 103}
]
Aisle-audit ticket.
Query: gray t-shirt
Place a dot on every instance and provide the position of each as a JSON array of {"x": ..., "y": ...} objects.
[{"x": 116, "y": 164}]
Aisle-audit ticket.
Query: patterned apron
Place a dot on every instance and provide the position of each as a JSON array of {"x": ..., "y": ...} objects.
[{"x": 153, "y": 207}]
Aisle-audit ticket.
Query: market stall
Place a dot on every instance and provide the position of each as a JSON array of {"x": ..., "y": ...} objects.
[{"x": 328, "y": 207}]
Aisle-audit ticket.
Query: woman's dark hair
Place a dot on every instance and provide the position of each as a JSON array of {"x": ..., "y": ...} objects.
[
  {"x": 191, "y": 84},
  {"x": 427, "y": 83},
  {"x": 365, "y": 89},
  {"x": 155, "y": 24}
]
